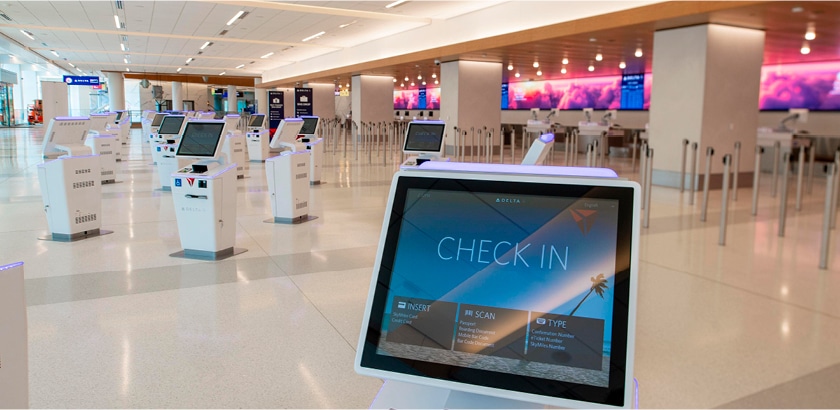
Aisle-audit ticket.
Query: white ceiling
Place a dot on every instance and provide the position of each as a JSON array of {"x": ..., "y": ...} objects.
[{"x": 161, "y": 35}]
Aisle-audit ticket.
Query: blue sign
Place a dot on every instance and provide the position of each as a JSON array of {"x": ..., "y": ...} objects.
[
  {"x": 81, "y": 80},
  {"x": 632, "y": 91},
  {"x": 505, "y": 96},
  {"x": 421, "y": 99},
  {"x": 276, "y": 111}
]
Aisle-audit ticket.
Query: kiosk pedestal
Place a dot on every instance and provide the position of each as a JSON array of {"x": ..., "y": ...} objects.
[
  {"x": 258, "y": 149},
  {"x": 401, "y": 395},
  {"x": 14, "y": 371},
  {"x": 104, "y": 146},
  {"x": 205, "y": 207},
  {"x": 316, "y": 151},
  {"x": 234, "y": 149},
  {"x": 288, "y": 187},
  {"x": 168, "y": 164},
  {"x": 72, "y": 197}
]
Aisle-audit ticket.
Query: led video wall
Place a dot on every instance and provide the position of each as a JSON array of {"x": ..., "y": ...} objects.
[
  {"x": 815, "y": 86},
  {"x": 627, "y": 92},
  {"x": 418, "y": 99}
]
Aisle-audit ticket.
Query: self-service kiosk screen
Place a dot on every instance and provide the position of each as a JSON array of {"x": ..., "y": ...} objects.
[
  {"x": 158, "y": 119},
  {"x": 119, "y": 116},
  {"x": 516, "y": 286},
  {"x": 424, "y": 137},
  {"x": 256, "y": 120},
  {"x": 200, "y": 139},
  {"x": 309, "y": 125},
  {"x": 171, "y": 124}
]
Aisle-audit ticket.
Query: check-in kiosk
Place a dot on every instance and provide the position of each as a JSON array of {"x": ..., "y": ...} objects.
[
  {"x": 288, "y": 176},
  {"x": 14, "y": 343},
  {"x": 234, "y": 144},
  {"x": 257, "y": 139},
  {"x": 103, "y": 143},
  {"x": 309, "y": 138},
  {"x": 204, "y": 194},
  {"x": 146, "y": 124},
  {"x": 70, "y": 185},
  {"x": 121, "y": 128},
  {"x": 783, "y": 134},
  {"x": 205, "y": 115},
  {"x": 164, "y": 153},
  {"x": 423, "y": 142},
  {"x": 155, "y": 126},
  {"x": 504, "y": 286},
  {"x": 590, "y": 131},
  {"x": 539, "y": 150}
]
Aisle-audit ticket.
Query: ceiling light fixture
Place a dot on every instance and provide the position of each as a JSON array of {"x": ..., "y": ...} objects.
[
  {"x": 395, "y": 4},
  {"x": 347, "y": 24},
  {"x": 638, "y": 52},
  {"x": 189, "y": 60},
  {"x": 314, "y": 36},
  {"x": 622, "y": 65},
  {"x": 437, "y": 82},
  {"x": 28, "y": 34},
  {"x": 599, "y": 57},
  {"x": 402, "y": 85},
  {"x": 125, "y": 60},
  {"x": 240, "y": 66},
  {"x": 79, "y": 70},
  {"x": 591, "y": 68},
  {"x": 516, "y": 75},
  {"x": 419, "y": 77},
  {"x": 806, "y": 48},
  {"x": 811, "y": 32},
  {"x": 539, "y": 72},
  {"x": 267, "y": 55},
  {"x": 434, "y": 75},
  {"x": 536, "y": 64},
  {"x": 223, "y": 73},
  {"x": 406, "y": 78},
  {"x": 563, "y": 70},
  {"x": 412, "y": 83},
  {"x": 122, "y": 46},
  {"x": 178, "y": 70},
  {"x": 71, "y": 65},
  {"x": 348, "y": 85},
  {"x": 565, "y": 60},
  {"x": 424, "y": 83},
  {"x": 55, "y": 53},
  {"x": 205, "y": 45},
  {"x": 236, "y": 17},
  {"x": 510, "y": 67},
  {"x": 395, "y": 80},
  {"x": 117, "y": 21},
  {"x": 127, "y": 69}
]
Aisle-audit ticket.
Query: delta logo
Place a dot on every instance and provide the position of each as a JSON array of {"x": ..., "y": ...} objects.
[
  {"x": 191, "y": 181},
  {"x": 584, "y": 218},
  {"x": 508, "y": 201}
]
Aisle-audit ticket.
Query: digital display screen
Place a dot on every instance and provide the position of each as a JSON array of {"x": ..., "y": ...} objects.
[
  {"x": 632, "y": 92},
  {"x": 256, "y": 120},
  {"x": 310, "y": 124},
  {"x": 600, "y": 93},
  {"x": 157, "y": 120},
  {"x": 171, "y": 124},
  {"x": 119, "y": 116},
  {"x": 422, "y": 137},
  {"x": 518, "y": 286},
  {"x": 417, "y": 99},
  {"x": 815, "y": 86},
  {"x": 200, "y": 139}
]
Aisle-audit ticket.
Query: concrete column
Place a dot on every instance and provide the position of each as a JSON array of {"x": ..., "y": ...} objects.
[
  {"x": 231, "y": 98},
  {"x": 470, "y": 96},
  {"x": 177, "y": 96},
  {"x": 706, "y": 90},
  {"x": 261, "y": 94},
  {"x": 323, "y": 100},
  {"x": 372, "y": 98},
  {"x": 116, "y": 90}
]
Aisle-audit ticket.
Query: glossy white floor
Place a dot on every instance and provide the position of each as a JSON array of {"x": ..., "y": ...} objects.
[{"x": 115, "y": 322}]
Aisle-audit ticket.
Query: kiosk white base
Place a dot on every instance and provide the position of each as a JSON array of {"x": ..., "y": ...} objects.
[
  {"x": 205, "y": 208},
  {"x": 72, "y": 197},
  {"x": 316, "y": 151},
  {"x": 14, "y": 368},
  {"x": 288, "y": 187},
  {"x": 167, "y": 164},
  {"x": 258, "y": 150},
  {"x": 104, "y": 146},
  {"x": 234, "y": 149}
]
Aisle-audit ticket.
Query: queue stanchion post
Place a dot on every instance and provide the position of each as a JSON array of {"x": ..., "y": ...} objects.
[
  {"x": 727, "y": 159},
  {"x": 648, "y": 183},
  {"x": 831, "y": 175},
  {"x": 692, "y": 183},
  {"x": 682, "y": 164},
  {"x": 784, "y": 194},
  {"x": 777, "y": 152},
  {"x": 710, "y": 152},
  {"x": 736, "y": 165},
  {"x": 756, "y": 179}
]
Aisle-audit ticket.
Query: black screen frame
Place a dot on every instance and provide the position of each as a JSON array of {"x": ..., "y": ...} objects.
[
  {"x": 307, "y": 123},
  {"x": 157, "y": 119},
  {"x": 170, "y": 119},
  {"x": 412, "y": 125},
  {"x": 253, "y": 117},
  {"x": 185, "y": 138},
  {"x": 613, "y": 395}
]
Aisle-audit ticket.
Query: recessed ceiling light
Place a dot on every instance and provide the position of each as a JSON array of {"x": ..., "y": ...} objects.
[
  {"x": 510, "y": 67},
  {"x": 811, "y": 32},
  {"x": 122, "y": 46},
  {"x": 395, "y": 80},
  {"x": 437, "y": 82},
  {"x": 434, "y": 75},
  {"x": 622, "y": 65},
  {"x": 117, "y": 20},
  {"x": 240, "y": 66},
  {"x": 591, "y": 68},
  {"x": 348, "y": 85},
  {"x": 178, "y": 70},
  {"x": 797, "y": 9},
  {"x": 412, "y": 83},
  {"x": 127, "y": 69},
  {"x": 347, "y": 24},
  {"x": 79, "y": 70},
  {"x": 125, "y": 60},
  {"x": 599, "y": 57},
  {"x": 405, "y": 79},
  {"x": 638, "y": 52},
  {"x": 28, "y": 34},
  {"x": 223, "y": 73},
  {"x": 267, "y": 55},
  {"x": 806, "y": 48},
  {"x": 55, "y": 53},
  {"x": 205, "y": 45},
  {"x": 563, "y": 70},
  {"x": 314, "y": 36},
  {"x": 419, "y": 77},
  {"x": 516, "y": 75},
  {"x": 236, "y": 17},
  {"x": 424, "y": 83},
  {"x": 71, "y": 65},
  {"x": 395, "y": 4},
  {"x": 402, "y": 85},
  {"x": 592, "y": 39},
  {"x": 539, "y": 72},
  {"x": 565, "y": 61},
  {"x": 536, "y": 64}
]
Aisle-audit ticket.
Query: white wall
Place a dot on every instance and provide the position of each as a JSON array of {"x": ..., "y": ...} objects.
[
  {"x": 323, "y": 100},
  {"x": 191, "y": 92},
  {"x": 372, "y": 98}
]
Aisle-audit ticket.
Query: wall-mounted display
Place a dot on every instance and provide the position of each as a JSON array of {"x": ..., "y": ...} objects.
[
  {"x": 628, "y": 92},
  {"x": 815, "y": 86},
  {"x": 417, "y": 99}
]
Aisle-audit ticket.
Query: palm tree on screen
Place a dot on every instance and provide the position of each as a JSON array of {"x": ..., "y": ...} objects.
[{"x": 599, "y": 285}]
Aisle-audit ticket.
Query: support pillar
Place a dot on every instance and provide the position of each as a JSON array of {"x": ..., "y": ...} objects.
[
  {"x": 116, "y": 90},
  {"x": 470, "y": 97},
  {"x": 177, "y": 96},
  {"x": 707, "y": 84},
  {"x": 231, "y": 99},
  {"x": 372, "y": 98},
  {"x": 261, "y": 95}
]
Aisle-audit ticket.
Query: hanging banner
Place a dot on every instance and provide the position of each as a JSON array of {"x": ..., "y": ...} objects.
[
  {"x": 303, "y": 101},
  {"x": 276, "y": 112},
  {"x": 14, "y": 356}
]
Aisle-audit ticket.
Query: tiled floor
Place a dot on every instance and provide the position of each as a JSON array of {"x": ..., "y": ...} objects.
[{"x": 115, "y": 322}]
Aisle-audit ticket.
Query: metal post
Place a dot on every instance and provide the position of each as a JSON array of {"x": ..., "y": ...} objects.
[
  {"x": 710, "y": 152},
  {"x": 682, "y": 165},
  {"x": 513, "y": 144},
  {"x": 693, "y": 181},
  {"x": 589, "y": 155},
  {"x": 800, "y": 174},
  {"x": 828, "y": 210},
  {"x": 596, "y": 149},
  {"x": 633, "y": 152},
  {"x": 756, "y": 175},
  {"x": 811, "y": 153},
  {"x": 784, "y": 195},
  {"x": 777, "y": 152},
  {"x": 736, "y": 164},
  {"x": 355, "y": 131},
  {"x": 643, "y": 172},
  {"x": 724, "y": 199},
  {"x": 648, "y": 178}
]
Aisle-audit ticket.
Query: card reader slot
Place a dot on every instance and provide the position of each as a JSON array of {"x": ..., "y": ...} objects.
[{"x": 196, "y": 196}]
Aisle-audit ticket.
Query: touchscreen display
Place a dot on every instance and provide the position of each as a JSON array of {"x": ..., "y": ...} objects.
[
  {"x": 200, "y": 139},
  {"x": 424, "y": 137},
  {"x": 309, "y": 125},
  {"x": 256, "y": 120},
  {"x": 509, "y": 285},
  {"x": 171, "y": 124},
  {"x": 157, "y": 120}
]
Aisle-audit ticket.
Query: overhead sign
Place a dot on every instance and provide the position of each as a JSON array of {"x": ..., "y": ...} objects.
[
  {"x": 14, "y": 357},
  {"x": 303, "y": 101},
  {"x": 81, "y": 80},
  {"x": 275, "y": 110}
]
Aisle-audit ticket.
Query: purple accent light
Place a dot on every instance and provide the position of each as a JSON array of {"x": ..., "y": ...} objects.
[
  {"x": 10, "y": 266},
  {"x": 547, "y": 138},
  {"x": 71, "y": 118},
  {"x": 518, "y": 169}
]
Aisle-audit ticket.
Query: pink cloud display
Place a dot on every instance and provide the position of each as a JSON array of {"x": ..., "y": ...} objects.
[
  {"x": 815, "y": 86},
  {"x": 412, "y": 99},
  {"x": 572, "y": 94}
]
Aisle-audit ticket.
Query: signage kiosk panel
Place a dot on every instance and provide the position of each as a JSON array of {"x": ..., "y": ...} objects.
[
  {"x": 202, "y": 139},
  {"x": 286, "y": 133},
  {"x": 66, "y": 135},
  {"x": 506, "y": 284}
]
